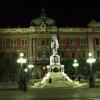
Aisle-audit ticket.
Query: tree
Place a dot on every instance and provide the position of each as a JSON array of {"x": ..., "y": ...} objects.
[
  {"x": 8, "y": 68},
  {"x": 68, "y": 68}
]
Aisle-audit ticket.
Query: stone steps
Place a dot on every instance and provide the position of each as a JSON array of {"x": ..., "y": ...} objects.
[{"x": 57, "y": 81}]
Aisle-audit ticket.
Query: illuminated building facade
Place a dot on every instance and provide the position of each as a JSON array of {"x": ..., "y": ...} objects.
[{"x": 35, "y": 40}]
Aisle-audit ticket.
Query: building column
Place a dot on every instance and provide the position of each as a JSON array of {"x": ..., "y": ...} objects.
[
  {"x": 34, "y": 48},
  {"x": 90, "y": 44},
  {"x": 30, "y": 49}
]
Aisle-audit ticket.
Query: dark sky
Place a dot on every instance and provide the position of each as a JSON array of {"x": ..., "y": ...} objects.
[{"x": 70, "y": 13}]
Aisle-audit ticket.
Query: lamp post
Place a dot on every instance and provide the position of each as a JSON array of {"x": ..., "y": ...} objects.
[
  {"x": 30, "y": 66},
  {"x": 21, "y": 60},
  {"x": 90, "y": 60},
  {"x": 43, "y": 71},
  {"x": 75, "y": 65}
]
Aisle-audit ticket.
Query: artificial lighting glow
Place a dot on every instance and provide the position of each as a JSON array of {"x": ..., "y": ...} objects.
[
  {"x": 75, "y": 64},
  {"x": 48, "y": 66},
  {"x": 21, "y": 60},
  {"x": 21, "y": 54},
  {"x": 91, "y": 60},
  {"x": 30, "y": 66},
  {"x": 75, "y": 60},
  {"x": 90, "y": 54},
  {"x": 26, "y": 70},
  {"x": 43, "y": 67}
]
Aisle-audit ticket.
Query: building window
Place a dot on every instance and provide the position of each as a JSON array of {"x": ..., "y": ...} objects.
[
  {"x": 47, "y": 41},
  {"x": 98, "y": 54},
  {"x": 4, "y": 43},
  {"x": 62, "y": 42},
  {"x": 73, "y": 42},
  {"x": 83, "y": 41},
  {"x": 62, "y": 54},
  {"x": 43, "y": 25},
  {"x": 13, "y": 42},
  {"x": 43, "y": 55},
  {"x": 97, "y": 41},
  {"x": 43, "y": 42},
  {"x": 73, "y": 54},
  {"x": 24, "y": 42},
  {"x": 0, "y": 42},
  {"x": 83, "y": 54}
]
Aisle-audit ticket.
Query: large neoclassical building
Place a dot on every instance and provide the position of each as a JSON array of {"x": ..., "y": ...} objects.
[{"x": 34, "y": 41}]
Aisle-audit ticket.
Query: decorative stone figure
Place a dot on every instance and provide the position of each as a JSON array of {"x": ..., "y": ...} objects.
[{"x": 54, "y": 44}]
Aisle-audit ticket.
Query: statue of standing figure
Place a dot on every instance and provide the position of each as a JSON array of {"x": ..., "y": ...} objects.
[{"x": 54, "y": 44}]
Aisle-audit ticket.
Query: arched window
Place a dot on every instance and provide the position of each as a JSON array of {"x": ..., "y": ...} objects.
[{"x": 13, "y": 42}]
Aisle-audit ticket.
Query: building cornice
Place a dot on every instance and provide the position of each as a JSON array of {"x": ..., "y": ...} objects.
[{"x": 34, "y": 30}]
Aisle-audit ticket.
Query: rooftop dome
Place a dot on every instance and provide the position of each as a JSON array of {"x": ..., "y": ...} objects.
[
  {"x": 43, "y": 20},
  {"x": 94, "y": 24}
]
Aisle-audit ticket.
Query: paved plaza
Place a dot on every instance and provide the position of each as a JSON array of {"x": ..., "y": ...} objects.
[{"x": 52, "y": 94}]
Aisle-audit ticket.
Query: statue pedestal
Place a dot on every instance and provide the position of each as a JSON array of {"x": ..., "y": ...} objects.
[{"x": 54, "y": 59}]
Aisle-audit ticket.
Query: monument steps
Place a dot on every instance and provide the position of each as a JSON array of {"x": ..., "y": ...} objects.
[{"x": 57, "y": 81}]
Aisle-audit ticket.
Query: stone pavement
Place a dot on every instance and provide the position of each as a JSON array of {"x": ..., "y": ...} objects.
[{"x": 52, "y": 94}]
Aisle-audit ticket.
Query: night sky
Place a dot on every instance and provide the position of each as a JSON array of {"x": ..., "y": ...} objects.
[{"x": 70, "y": 13}]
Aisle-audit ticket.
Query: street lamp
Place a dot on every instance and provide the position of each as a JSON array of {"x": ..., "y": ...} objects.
[
  {"x": 75, "y": 65},
  {"x": 30, "y": 66},
  {"x": 21, "y": 60},
  {"x": 90, "y": 60},
  {"x": 43, "y": 71}
]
